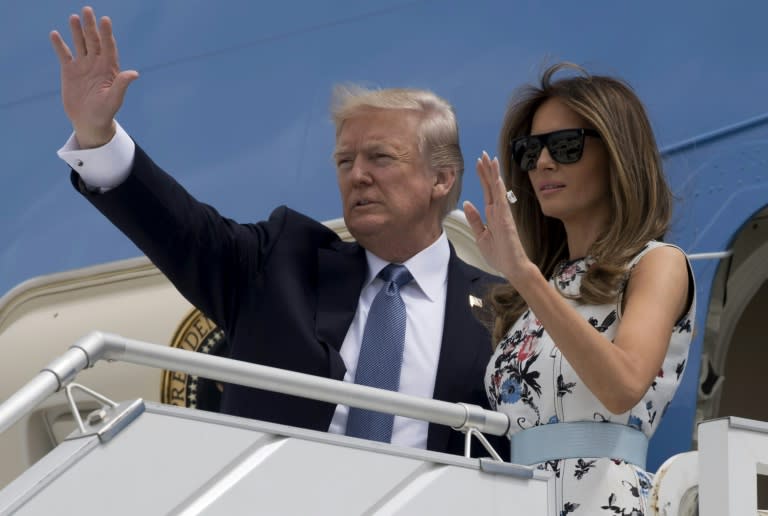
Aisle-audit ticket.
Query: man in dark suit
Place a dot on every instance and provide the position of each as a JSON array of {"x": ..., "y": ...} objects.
[{"x": 287, "y": 291}]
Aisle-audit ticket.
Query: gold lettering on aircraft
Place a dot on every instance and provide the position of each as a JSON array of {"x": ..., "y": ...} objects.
[{"x": 195, "y": 333}]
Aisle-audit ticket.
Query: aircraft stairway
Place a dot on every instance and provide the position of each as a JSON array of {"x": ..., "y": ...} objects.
[{"x": 141, "y": 457}]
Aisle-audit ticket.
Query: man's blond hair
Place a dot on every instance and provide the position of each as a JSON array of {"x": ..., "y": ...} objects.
[{"x": 438, "y": 131}]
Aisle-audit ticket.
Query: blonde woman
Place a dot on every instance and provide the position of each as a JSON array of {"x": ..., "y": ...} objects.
[{"x": 593, "y": 329}]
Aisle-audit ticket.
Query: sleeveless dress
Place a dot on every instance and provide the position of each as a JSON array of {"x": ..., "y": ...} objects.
[{"x": 529, "y": 380}]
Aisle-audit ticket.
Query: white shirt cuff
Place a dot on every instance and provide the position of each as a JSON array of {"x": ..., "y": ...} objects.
[{"x": 104, "y": 167}]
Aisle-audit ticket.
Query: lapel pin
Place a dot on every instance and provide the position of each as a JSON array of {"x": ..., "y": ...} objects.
[{"x": 475, "y": 301}]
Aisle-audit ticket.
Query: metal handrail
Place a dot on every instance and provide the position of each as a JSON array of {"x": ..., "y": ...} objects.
[
  {"x": 715, "y": 255},
  {"x": 105, "y": 346}
]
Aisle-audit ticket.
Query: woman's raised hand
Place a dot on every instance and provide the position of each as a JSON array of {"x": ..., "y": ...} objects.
[{"x": 497, "y": 240}]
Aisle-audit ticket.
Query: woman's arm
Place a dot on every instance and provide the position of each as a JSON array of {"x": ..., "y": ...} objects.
[{"x": 618, "y": 374}]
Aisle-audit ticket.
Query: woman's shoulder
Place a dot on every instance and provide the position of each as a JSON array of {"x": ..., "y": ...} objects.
[
  {"x": 664, "y": 269},
  {"x": 669, "y": 252},
  {"x": 660, "y": 260}
]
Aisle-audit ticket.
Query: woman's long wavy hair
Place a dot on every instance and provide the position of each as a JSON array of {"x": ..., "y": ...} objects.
[{"x": 641, "y": 201}]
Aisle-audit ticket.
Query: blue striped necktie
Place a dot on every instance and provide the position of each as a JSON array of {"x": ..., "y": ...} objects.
[{"x": 381, "y": 353}]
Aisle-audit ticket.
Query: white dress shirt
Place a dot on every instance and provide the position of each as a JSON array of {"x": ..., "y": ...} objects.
[
  {"x": 424, "y": 299},
  {"x": 103, "y": 167},
  {"x": 107, "y": 167}
]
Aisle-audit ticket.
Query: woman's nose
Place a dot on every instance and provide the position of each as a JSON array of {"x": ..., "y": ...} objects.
[{"x": 545, "y": 161}]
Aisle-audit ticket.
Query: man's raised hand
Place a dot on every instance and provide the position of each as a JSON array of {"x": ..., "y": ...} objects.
[{"x": 92, "y": 85}]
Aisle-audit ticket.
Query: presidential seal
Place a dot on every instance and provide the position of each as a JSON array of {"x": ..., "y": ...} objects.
[{"x": 195, "y": 333}]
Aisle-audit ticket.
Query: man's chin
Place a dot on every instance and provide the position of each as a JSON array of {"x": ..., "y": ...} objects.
[
  {"x": 360, "y": 231},
  {"x": 365, "y": 222}
]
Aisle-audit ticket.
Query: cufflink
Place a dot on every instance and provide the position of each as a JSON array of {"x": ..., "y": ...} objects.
[{"x": 475, "y": 302}]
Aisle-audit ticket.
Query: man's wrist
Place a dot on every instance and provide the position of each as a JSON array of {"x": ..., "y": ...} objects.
[
  {"x": 104, "y": 167},
  {"x": 92, "y": 138}
]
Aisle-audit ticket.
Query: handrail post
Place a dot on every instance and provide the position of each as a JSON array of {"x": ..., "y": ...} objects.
[{"x": 49, "y": 380}]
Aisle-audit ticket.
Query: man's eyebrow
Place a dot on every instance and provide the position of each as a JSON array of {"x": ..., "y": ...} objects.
[
  {"x": 368, "y": 147},
  {"x": 382, "y": 145},
  {"x": 341, "y": 152}
]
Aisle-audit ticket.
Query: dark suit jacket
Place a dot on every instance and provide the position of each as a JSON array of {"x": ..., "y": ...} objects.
[{"x": 285, "y": 291}]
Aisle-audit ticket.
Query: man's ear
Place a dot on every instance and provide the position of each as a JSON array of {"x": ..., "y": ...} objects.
[{"x": 444, "y": 179}]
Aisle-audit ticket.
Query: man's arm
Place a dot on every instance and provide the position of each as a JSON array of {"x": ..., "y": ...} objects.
[{"x": 207, "y": 257}]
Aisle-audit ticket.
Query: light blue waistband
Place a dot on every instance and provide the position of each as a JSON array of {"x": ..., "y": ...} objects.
[{"x": 579, "y": 439}]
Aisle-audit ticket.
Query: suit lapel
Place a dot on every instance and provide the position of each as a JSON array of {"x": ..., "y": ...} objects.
[
  {"x": 341, "y": 272},
  {"x": 457, "y": 352}
]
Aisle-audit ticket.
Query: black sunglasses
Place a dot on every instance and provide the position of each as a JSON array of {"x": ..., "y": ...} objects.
[{"x": 565, "y": 146}]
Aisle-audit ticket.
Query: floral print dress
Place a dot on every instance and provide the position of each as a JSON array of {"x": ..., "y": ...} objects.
[{"x": 530, "y": 380}]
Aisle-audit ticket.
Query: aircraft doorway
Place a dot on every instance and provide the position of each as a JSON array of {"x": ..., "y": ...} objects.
[
  {"x": 735, "y": 354},
  {"x": 746, "y": 362}
]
